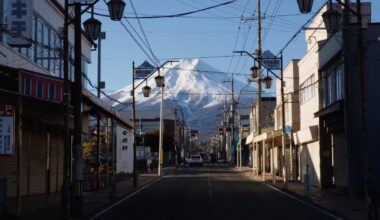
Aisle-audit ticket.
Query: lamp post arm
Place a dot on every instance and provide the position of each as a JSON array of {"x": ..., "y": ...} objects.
[
  {"x": 83, "y": 11},
  {"x": 356, "y": 13},
  {"x": 259, "y": 61},
  {"x": 146, "y": 78}
]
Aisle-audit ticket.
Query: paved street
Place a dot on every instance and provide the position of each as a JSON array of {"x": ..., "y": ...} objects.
[{"x": 210, "y": 193}]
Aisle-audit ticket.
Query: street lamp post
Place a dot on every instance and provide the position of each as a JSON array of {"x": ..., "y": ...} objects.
[
  {"x": 332, "y": 22},
  {"x": 92, "y": 26},
  {"x": 268, "y": 83},
  {"x": 160, "y": 83},
  {"x": 100, "y": 86},
  {"x": 146, "y": 92}
]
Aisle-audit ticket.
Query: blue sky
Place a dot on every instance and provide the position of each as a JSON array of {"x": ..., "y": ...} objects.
[{"x": 211, "y": 35}]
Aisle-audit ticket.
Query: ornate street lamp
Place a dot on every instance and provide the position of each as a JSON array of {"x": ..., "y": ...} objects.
[
  {"x": 305, "y": 5},
  {"x": 254, "y": 71},
  {"x": 160, "y": 81},
  {"x": 268, "y": 82},
  {"x": 146, "y": 91},
  {"x": 331, "y": 18},
  {"x": 116, "y": 9},
  {"x": 92, "y": 28}
]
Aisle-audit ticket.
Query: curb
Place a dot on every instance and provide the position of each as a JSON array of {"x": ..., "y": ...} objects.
[{"x": 309, "y": 202}]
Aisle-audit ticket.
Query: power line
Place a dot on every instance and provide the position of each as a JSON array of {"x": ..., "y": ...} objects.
[
  {"x": 173, "y": 15},
  {"x": 144, "y": 35}
]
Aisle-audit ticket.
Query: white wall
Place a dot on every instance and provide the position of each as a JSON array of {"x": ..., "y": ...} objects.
[
  {"x": 309, "y": 155},
  {"x": 290, "y": 78},
  {"x": 308, "y": 66}
]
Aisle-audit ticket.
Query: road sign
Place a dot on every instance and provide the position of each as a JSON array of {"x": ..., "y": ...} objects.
[
  {"x": 270, "y": 60},
  {"x": 288, "y": 130},
  {"x": 81, "y": 1}
]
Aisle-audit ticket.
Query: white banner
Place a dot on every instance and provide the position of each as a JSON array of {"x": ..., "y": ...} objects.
[
  {"x": 20, "y": 23},
  {"x": 6, "y": 130}
]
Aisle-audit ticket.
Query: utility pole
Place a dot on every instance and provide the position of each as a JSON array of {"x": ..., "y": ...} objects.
[
  {"x": 66, "y": 111},
  {"x": 77, "y": 200},
  {"x": 285, "y": 173},
  {"x": 258, "y": 99},
  {"x": 161, "y": 138},
  {"x": 113, "y": 159},
  {"x": 175, "y": 137},
  {"x": 233, "y": 119},
  {"x": 230, "y": 120},
  {"x": 100, "y": 86},
  {"x": 134, "y": 125}
]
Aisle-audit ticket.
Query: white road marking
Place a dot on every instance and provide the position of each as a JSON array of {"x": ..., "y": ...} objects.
[
  {"x": 299, "y": 200},
  {"x": 122, "y": 200}
]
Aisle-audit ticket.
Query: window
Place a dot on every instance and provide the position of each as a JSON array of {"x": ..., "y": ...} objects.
[
  {"x": 47, "y": 52},
  {"x": 307, "y": 90},
  {"x": 332, "y": 87},
  {"x": 2, "y": 17}
]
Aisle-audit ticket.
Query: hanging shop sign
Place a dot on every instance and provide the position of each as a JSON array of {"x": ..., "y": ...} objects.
[
  {"x": 81, "y": 1},
  {"x": 6, "y": 130},
  {"x": 270, "y": 60},
  {"x": 20, "y": 23}
]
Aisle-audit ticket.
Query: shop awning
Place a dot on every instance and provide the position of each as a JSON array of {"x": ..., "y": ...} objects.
[
  {"x": 260, "y": 137},
  {"x": 106, "y": 109},
  {"x": 306, "y": 135},
  {"x": 249, "y": 138}
]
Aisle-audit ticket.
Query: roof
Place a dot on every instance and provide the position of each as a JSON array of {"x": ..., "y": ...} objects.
[{"x": 108, "y": 110}]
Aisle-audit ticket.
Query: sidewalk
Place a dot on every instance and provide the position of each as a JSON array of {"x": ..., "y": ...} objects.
[
  {"x": 48, "y": 206},
  {"x": 328, "y": 199}
]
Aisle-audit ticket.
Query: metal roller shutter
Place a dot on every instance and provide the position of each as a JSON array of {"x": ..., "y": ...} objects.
[
  {"x": 38, "y": 162},
  {"x": 339, "y": 160},
  {"x": 25, "y": 159},
  {"x": 8, "y": 170},
  {"x": 56, "y": 162}
]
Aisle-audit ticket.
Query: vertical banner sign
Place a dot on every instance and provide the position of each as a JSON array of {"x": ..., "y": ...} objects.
[
  {"x": 20, "y": 22},
  {"x": 6, "y": 130}
]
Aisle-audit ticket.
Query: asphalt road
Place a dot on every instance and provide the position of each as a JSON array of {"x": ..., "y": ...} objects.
[{"x": 210, "y": 193}]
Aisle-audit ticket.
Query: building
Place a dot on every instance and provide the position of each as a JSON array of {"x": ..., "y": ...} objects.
[
  {"x": 244, "y": 151},
  {"x": 260, "y": 141},
  {"x": 292, "y": 121},
  {"x": 340, "y": 112},
  {"x": 31, "y": 95}
]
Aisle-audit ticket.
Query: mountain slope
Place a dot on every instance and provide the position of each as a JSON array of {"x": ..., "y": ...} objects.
[{"x": 192, "y": 86}]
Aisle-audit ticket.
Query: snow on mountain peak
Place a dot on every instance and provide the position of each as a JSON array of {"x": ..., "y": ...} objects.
[{"x": 191, "y": 85}]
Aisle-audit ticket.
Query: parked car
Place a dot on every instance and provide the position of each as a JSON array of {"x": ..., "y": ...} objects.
[{"x": 195, "y": 160}]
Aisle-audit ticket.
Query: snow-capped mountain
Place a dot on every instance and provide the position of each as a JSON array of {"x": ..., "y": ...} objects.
[{"x": 196, "y": 89}]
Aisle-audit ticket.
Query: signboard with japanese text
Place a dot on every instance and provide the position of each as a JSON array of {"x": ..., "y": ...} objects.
[
  {"x": 81, "y": 1},
  {"x": 20, "y": 23},
  {"x": 6, "y": 130},
  {"x": 270, "y": 60}
]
